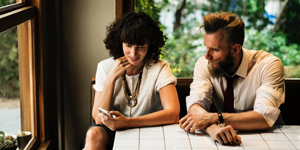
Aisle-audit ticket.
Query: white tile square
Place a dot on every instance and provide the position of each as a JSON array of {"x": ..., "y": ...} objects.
[
  {"x": 290, "y": 128},
  {"x": 293, "y": 136},
  {"x": 130, "y": 130},
  {"x": 178, "y": 143},
  {"x": 151, "y": 148},
  {"x": 250, "y": 137},
  {"x": 127, "y": 135},
  {"x": 205, "y": 148},
  {"x": 151, "y": 135},
  {"x": 176, "y": 135},
  {"x": 230, "y": 147},
  {"x": 126, "y": 143},
  {"x": 152, "y": 143},
  {"x": 203, "y": 143},
  {"x": 296, "y": 144},
  {"x": 255, "y": 144},
  {"x": 151, "y": 129},
  {"x": 122, "y": 148},
  {"x": 177, "y": 148},
  {"x": 273, "y": 129},
  {"x": 280, "y": 145},
  {"x": 237, "y": 147},
  {"x": 257, "y": 149},
  {"x": 172, "y": 127},
  {"x": 274, "y": 137},
  {"x": 199, "y": 136}
]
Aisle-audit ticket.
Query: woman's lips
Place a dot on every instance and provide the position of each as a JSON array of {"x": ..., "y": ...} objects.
[{"x": 134, "y": 59}]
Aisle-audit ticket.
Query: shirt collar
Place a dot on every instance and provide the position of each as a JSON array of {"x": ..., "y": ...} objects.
[{"x": 243, "y": 68}]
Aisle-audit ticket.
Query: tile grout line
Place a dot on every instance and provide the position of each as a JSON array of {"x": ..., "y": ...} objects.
[
  {"x": 189, "y": 140},
  {"x": 287, "y": 137},
  {"x": 216, "y": 145},
  {"x": 164, "y": 137},
  {"x": 264, "y": 140}
]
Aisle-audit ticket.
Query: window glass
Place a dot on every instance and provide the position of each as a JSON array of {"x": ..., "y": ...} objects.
[
  {"x": 271, "y": 25},
  {"x": 9, "y": 82},
  {"x": 6, "y": 2}
]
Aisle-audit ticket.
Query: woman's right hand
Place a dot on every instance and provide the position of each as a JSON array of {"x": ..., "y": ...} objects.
[
  {"x": 120, "y": 66},
  {"x": 119, "y": 121}
]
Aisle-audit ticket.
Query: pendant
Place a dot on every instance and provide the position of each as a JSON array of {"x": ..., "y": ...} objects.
[{"x": 131, "y": 102}]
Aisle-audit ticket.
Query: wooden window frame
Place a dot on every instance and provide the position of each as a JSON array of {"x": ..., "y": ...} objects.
[
  {"x": 123, "y": 7},
  {"x": 27, "y": 17}
]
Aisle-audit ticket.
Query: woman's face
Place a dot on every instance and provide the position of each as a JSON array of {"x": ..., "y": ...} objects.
[{"x": 135, "y": 54}]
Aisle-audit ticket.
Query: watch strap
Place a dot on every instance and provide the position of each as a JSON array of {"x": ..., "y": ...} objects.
[{"x": 221, "y": 120}]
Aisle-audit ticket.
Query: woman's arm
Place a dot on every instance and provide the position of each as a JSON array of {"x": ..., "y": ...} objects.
[
  {"x": 102, "y": 100},
  {"x": 169, "y": 114},
  {"x": 105, "y": 100}
]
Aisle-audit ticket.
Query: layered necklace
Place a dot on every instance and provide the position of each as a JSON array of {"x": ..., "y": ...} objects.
[{"x": 131, "y": 99}]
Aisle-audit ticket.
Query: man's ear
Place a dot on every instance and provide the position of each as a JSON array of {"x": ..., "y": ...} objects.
[{"x": 236, "y": 49}]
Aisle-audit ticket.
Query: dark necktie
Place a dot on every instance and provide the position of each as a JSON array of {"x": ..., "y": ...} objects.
[{"x": 228, "y": 95}]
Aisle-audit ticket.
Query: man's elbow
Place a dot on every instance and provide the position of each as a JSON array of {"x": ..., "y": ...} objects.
[{"x": 266, "y": 126}]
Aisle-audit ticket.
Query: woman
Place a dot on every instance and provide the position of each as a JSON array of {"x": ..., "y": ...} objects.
[{"x": 134, "y": 83}]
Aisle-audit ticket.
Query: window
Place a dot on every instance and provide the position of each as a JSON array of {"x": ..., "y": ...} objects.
[
  {"x": 270, "y": 25},
  {"x": 9, "y": 82},
  {"x": 20, "y": 19}
]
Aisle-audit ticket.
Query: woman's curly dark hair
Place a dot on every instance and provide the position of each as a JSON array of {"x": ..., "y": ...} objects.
[{"x": 135, "y": 29}]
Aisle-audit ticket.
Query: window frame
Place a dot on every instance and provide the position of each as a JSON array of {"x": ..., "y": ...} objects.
[
  {"x": 18, "y": 4},
  {"x": 25, "y": 14}
]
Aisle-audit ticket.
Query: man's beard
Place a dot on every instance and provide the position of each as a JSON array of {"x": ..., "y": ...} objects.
[{"x": 222, "y": 67}]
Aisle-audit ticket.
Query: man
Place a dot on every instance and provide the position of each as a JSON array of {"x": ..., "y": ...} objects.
[{"x": 258, "y": 84}]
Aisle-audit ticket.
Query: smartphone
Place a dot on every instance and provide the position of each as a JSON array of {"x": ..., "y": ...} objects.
[{"x": 101, "y": 110}]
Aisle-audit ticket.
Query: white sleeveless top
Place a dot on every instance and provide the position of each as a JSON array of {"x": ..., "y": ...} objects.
[{"x": 154, "y": 78}]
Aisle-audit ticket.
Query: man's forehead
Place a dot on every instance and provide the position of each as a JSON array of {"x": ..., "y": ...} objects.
[{"x": 214, "y": 40}]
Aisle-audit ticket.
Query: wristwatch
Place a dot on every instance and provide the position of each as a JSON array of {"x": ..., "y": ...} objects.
[{"x": 221, "y": 120}]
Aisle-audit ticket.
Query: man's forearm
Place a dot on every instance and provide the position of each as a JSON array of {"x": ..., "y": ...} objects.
[
  {"x": 196, "y": 109},
  {"x": 246, "y": 121}
]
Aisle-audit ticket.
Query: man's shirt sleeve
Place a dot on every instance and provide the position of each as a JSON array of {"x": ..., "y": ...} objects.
[{"x": 201, "y": 87}]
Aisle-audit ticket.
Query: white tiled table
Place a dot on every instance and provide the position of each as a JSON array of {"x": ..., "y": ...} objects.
[{"x": 172, "y": 137}]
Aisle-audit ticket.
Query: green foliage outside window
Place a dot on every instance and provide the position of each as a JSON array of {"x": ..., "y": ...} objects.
[
  {"x": 185, "y": 45},
  {"x": 9, "y": 64},
  {"x": 6, "y": 2}
]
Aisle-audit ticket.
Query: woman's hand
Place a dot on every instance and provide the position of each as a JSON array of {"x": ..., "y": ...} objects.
[
  {"x": 224, "y": 135},
  {"x": 114, "y": 123},
  {"x": 120, "y": 66}
]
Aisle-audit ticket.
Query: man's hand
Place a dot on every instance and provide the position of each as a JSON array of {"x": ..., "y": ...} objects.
[
  {"x": 192, "y": 122},
  {"x": 224, "y": 135},
  {"x": 118, "y": 122}
]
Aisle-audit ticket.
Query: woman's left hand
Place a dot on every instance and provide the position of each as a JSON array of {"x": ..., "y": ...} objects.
[{"x": 114, "y": 123}]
